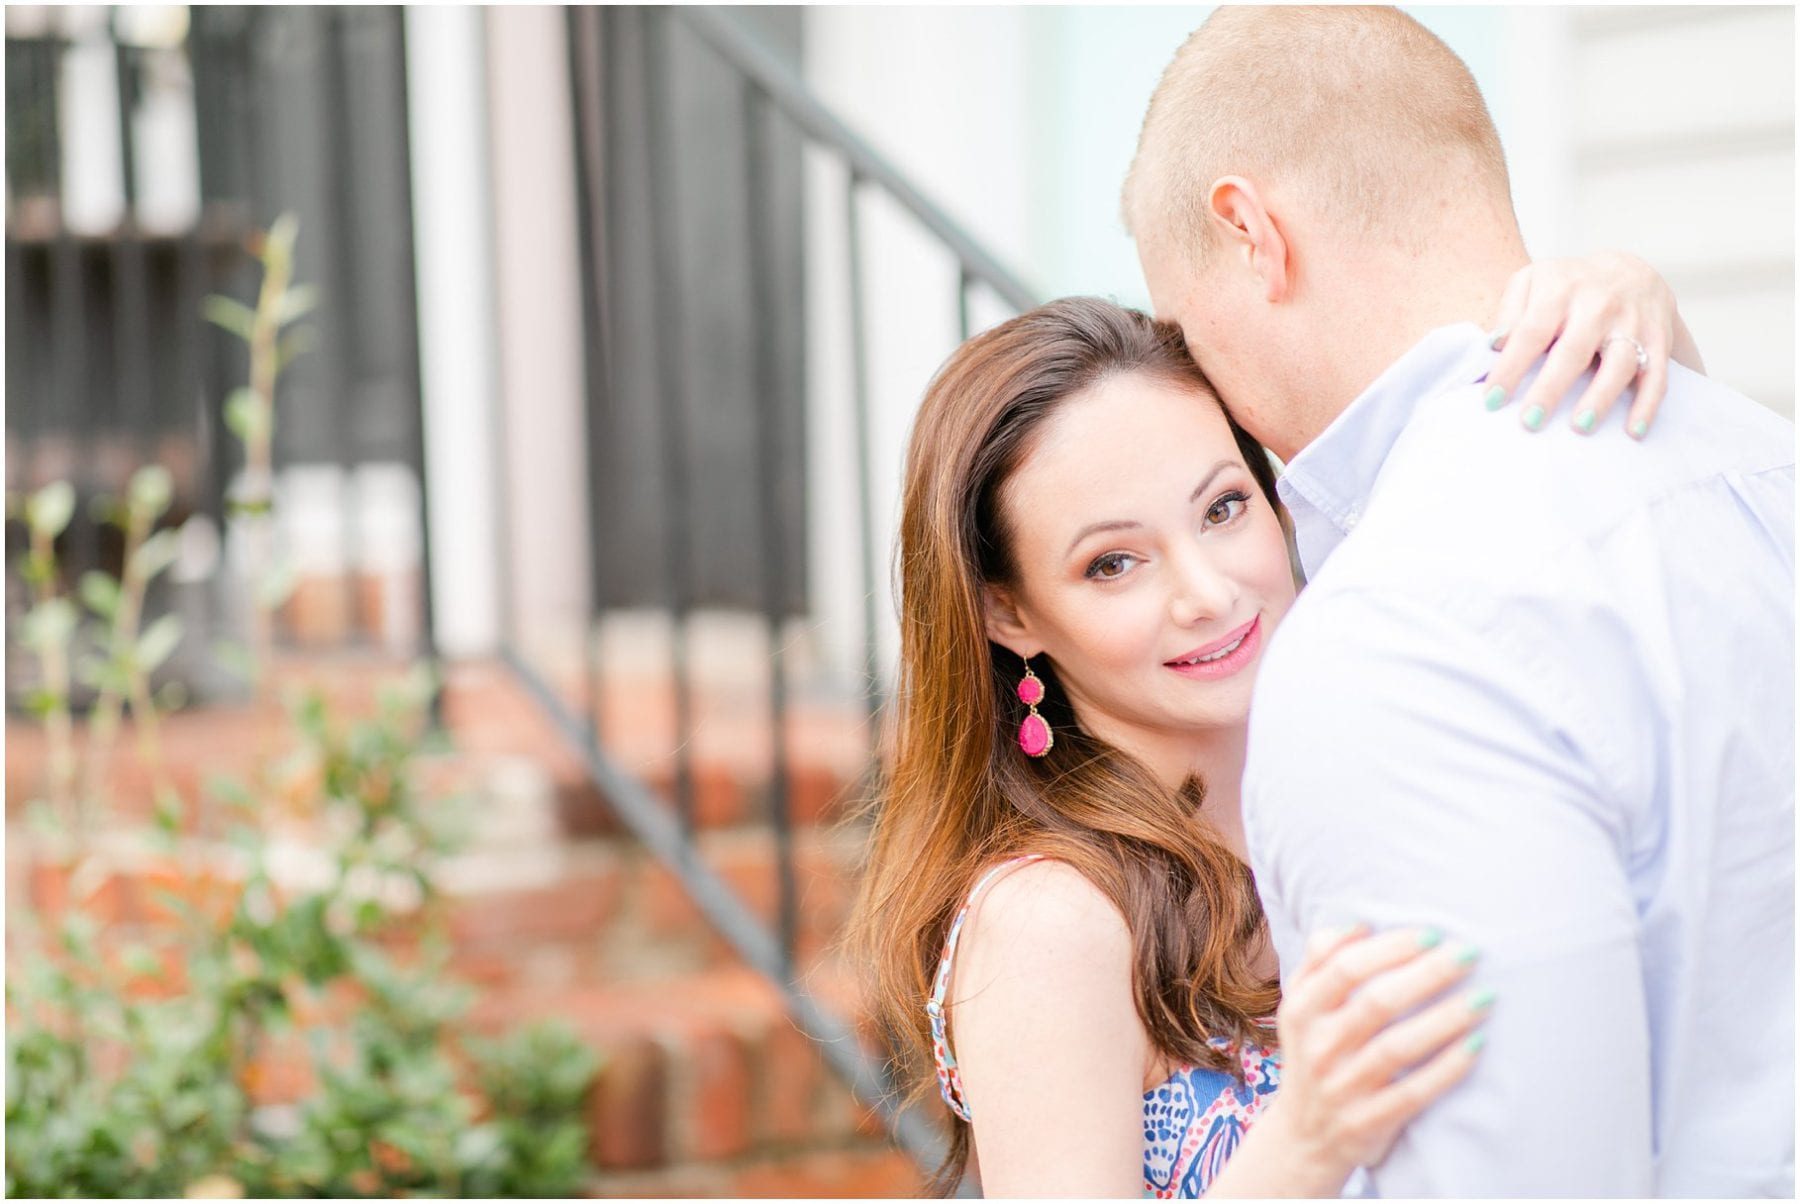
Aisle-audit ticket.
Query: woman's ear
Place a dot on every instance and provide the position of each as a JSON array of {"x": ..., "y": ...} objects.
[{"x": 1005, "y": 625}]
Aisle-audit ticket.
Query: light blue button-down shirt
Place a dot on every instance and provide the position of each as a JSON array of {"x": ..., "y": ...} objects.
[{"x": 1539, "y": 692}]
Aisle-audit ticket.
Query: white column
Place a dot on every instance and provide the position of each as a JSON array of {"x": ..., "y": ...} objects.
[{"x": 451, "y": 247}]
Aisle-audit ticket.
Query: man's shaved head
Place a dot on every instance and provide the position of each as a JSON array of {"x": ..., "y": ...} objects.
[{"x": 1360, "y": 112}]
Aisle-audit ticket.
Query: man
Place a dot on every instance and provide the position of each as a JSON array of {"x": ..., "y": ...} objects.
[{"x": 1537, "y": 693}]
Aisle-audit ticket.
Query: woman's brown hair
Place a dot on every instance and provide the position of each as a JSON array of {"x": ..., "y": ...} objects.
[{"x": 959, "y": 794}]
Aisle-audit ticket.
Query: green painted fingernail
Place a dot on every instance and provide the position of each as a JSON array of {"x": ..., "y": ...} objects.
[
  {"x": 1482, "y": 1000},
  {"x": 1499, "y": 338},
  {"x": 1496, "y": 397},
  {"x": 1475, "y": 1042},
  {"x": 1466, "y": 955},
  {"x": 1534, "y": 416},
  {"x": 1639, "y": 429},
  {"x": 1430, "y": 938},
  {"x": 1584, "y": 421}
]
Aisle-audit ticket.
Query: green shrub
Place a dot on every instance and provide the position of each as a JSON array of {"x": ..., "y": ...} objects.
[{"x": 114, "y": 1092}]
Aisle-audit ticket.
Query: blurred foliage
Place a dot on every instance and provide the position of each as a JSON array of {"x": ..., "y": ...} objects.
[{"x": 134, "y": 1071}]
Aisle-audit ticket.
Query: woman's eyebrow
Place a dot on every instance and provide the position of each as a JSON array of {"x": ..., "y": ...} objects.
[
  {"x": 1216, "y": 469},
  {"x": 1118, "y": 524}
]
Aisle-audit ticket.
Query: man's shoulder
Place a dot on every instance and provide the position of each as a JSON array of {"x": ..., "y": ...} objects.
[{"x": 1466, "y": 490}]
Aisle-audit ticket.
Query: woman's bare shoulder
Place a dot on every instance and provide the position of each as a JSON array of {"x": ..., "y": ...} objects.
[{"x": 1045, "y": 909}]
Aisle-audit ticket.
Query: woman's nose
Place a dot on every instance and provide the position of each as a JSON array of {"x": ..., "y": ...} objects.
[{"x": 1202, "y": 591}]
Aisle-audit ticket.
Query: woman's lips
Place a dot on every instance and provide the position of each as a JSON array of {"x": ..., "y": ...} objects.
[{"x": 1248, "y": 639}]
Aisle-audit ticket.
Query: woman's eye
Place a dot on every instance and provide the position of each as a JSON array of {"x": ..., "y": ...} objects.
[
  {"x": 1111, "y": 565},
  {"x": 1226, "y": 509}
]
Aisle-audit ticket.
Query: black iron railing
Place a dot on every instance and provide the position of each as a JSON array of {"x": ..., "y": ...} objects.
[
  {"x": 110, "y": 365},
  {"x": 635, "y": 138}
]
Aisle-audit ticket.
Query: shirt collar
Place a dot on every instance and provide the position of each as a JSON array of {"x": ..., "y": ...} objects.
[{"x": 1327, "y": 484}]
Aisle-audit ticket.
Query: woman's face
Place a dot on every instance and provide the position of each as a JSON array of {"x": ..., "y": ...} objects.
[{"x": 1151, "y": 570}]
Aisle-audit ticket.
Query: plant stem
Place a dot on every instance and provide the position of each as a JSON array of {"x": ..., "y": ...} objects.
[
  {"x": 103, "y": 726},
  {"x": 54, "y": 659}
]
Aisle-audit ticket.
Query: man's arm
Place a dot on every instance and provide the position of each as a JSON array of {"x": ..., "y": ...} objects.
[{"x": 1408, "y": 766}]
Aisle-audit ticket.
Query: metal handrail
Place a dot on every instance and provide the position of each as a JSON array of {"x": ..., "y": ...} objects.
[
  {"x": 771, "y": 87},
  {"x": 797, "y": 102}
]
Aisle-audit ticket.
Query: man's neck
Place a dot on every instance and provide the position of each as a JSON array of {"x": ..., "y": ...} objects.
[{"x": 1401, "y": 299}]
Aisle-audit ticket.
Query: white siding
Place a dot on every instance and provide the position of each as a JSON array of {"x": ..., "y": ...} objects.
[{"x": 1682, "y": 150}]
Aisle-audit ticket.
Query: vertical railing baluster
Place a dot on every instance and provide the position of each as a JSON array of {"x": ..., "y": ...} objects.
[
  {"x": 962, "y": 304},
  {"x": 216, "y": 112},
  {"x": 334, "y": 239},
  {"x": 68, "y": 302},
  {"x": 583, "y": 28},
  {"x": 27, "y": 407},
  {"x": 768, "y": 411},
  {"x": 415, "y": 449},
  {"x": 132, "y": 373},
  {"x": 865, "y": 457},
  {"x": 672, "y": 393}
]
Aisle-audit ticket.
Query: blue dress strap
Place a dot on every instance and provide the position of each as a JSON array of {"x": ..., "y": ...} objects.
[{"x": 949, "y": 1077}]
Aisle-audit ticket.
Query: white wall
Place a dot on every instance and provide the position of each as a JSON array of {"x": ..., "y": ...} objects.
[
  {"x": 1681, "y": 148},
  {"x": 943, "y": 93}
]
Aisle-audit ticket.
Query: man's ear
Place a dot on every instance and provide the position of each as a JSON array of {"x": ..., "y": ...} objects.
[
  {"x": 1245, "y": 226},
  {"x": 1005, "y": 626}
]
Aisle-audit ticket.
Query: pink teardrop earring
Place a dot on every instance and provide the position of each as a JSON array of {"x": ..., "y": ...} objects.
[{"x": 1034, "y": 734}]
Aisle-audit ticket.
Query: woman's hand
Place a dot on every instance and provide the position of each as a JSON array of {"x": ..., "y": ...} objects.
[
  {"x": 1607, "y": 305},
  {"x": 1353, "y": 1073}
]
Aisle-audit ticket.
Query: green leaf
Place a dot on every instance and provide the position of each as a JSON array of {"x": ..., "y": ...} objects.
[
  {"x": 292, "y": 344},
  {"x": 296, "y": 303},
  {"x": 94, "y": 671},
  {"x": 230, "y": 315},
  {"x": 105, "y": 508},
  {"x": 234, "y": 658},
  {"x": 142, "y": 962},
  {"x": 157, "y": 553},
  {"x": 100, "y": 591},
  {"x": 151, "y": 490},
  {"x": 277, "y": 585},
  {"x": 50, "y": 508},
  {"x": 42, "y": 703},
  {"x": 38, "y": 567},
  {"x": 178, "y": 903},
  {"x": 158, "y": 642},
  {"x": 168, "y": 812},
  {"x": 477, "y": 1145},
  {"x": 79, "y": 931},
  {"x": 247, "y": 414},
  {"x": 48, "y": 625},
  {"x": 231, "y": 792},
  {"x": 41, "y": 818},
  {"x": 283, "y": 232}
]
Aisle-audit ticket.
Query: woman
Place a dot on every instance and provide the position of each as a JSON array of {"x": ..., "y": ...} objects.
[{"x": 1066, "y": 936}]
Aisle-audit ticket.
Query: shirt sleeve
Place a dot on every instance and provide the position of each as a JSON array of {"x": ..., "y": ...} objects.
[{"x": 1409, "y": 765}]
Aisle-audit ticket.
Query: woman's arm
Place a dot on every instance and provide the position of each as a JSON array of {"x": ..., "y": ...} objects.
[
  {"x": 1048, "y": 1039},
  {"x": 1353, "y": 1074},
  {"x": 1572, "y": 311},
  {"x": 1053, "y": 1055}
]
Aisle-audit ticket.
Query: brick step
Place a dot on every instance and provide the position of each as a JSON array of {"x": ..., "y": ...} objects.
[
  {"x": 497, "y": 728},
  {"x": 609, "y": 911},
  {"x": 702, "y": 1068},
  {"x": 527, "y": 918},
  {"x": 860, "y": 1171}
]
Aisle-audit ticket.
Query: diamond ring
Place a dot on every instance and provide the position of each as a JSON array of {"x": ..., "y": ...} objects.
[{"x": 1643, "y": 357}]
